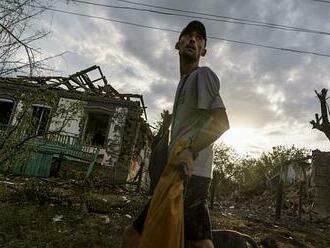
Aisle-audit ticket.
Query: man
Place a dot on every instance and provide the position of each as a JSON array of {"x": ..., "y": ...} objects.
[{"x": 198, "y": 116}]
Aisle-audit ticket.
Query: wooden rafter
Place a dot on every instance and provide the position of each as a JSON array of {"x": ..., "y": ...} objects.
[{"x": 81, "y": 82}]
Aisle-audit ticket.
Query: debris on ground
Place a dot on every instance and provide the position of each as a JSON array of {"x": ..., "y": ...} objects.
[{"x": 57, "y": 212}]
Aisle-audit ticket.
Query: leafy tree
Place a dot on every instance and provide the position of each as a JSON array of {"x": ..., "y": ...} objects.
[
  {"x": 281, "y": 156},
  {"x": 250, "y": 175},
  {"x": 226, "y": 162},
  {"x": 254, "y": 172},
  {"x": 163, "y": 123},
  {"x": 159, "y": 149}
]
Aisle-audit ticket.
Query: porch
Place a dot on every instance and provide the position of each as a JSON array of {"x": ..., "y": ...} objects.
[{"x": 48, "y": 151}]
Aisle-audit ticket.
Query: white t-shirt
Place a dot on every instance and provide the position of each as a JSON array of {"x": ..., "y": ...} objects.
[{"x": 197, "y": 91}]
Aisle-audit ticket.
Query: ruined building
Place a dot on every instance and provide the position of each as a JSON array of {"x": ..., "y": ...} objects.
[
  {"x": 321, "y": 182},
  {"x": 111, "y": 122}
]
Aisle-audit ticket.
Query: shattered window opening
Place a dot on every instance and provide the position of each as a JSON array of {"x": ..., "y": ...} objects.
[
  {"x": 97, "y": 128},
  {"x": 40, "y": 115},
  {"x": 6, "y": 109}
]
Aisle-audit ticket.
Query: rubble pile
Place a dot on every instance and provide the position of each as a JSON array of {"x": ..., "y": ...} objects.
[{"x": 262, "y": 207}]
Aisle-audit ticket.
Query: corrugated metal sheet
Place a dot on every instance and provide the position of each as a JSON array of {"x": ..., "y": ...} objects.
[
  {"x": 38, "y": 165},
  {"x": 39, "y": 162}
]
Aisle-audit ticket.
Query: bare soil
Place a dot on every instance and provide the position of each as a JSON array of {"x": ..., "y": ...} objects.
[{"x": 73, "y": 213}]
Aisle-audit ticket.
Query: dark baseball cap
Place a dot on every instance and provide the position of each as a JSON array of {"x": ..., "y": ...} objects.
[{"x": 194, "y": 26}]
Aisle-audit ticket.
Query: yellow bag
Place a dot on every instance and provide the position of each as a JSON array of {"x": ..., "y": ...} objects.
[{"x": 163, "y": 227}]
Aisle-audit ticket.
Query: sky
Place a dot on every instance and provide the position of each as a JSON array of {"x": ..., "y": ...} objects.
[{"x": 269, "y": 94}]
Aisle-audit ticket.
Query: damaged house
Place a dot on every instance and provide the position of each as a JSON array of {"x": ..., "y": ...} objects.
[{"x": 108, "y": 128}]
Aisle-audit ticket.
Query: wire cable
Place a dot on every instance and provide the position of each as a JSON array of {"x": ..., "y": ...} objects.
[
  {"x": 176, "y": 31},
  {"x": 322, "y": 1},
  {"x": 218, "y": 18}
]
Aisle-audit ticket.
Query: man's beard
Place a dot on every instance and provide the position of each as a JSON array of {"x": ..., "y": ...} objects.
[{"x": 188, "y": 57}]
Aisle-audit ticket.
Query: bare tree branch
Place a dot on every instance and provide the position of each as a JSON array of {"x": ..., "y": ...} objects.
[
  {"x": 322, "y": 123},
  {"x": 26, "y": 47},
  {"x": 14, "y": 9},
  {"x": 14, "y": 28}
]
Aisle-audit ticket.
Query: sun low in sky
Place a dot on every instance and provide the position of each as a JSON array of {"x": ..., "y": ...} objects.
[
  {"x": 244, "y": 140},
  {"x": 253, "y": 141}
]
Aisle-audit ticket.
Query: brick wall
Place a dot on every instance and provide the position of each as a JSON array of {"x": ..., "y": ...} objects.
[{"x": 321, "y": 181}]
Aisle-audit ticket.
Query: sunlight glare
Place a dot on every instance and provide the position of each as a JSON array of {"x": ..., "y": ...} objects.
[{"x": 243, "y": 140}]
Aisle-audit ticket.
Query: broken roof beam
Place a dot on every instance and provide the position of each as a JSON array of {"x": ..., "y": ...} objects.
[
  {"x": 52, "y": 82},
  {"x": 42, "y": 77},
  {"x": 67, "y": 84},
  {"x": 109, "y": 90},
  {"x": 139, "y": 97},
  {"x": 77, "y": 82},
  {"x": 49, "y": 81},
  {"x": 102, "y": 76},
  {"x": 131, "y": 95},
  {"x": 92, "y": 68},
  {"x": 88, "y": 81},
  {"x": 83, "y": 77}
]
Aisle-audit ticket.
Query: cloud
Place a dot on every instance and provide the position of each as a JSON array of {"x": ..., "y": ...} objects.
[{"x": 267, "y": 90}]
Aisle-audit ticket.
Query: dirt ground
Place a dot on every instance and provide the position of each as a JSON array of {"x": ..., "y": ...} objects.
[{"x": 71, "y": 213}]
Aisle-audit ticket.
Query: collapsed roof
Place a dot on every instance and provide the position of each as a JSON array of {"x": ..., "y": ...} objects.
[{"x": 81, "y": 82}]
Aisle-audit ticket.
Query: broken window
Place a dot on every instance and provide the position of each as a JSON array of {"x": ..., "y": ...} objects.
[
  {"x": 40, "y": 118},
  {"x": 97, "y": 129},
  {"x": 6, "y": 109}
]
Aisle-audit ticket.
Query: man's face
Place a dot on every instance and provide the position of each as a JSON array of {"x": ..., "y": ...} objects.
[{"x": 191, "y": 46}]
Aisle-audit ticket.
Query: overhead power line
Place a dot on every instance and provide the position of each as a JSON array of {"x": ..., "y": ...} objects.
[
  {"x": 205, "y": 16},
  {"x": 322, "y": 1},
  {"x": 176, "y": 31}
]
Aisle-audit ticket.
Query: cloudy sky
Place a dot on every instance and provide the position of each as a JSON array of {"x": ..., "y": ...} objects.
[{"x": 269, "y": 94}]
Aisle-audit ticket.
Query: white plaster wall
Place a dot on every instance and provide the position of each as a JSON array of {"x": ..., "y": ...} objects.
[
  {"x": 145, "y": 177},
  {"x": 113, "y": 148},
  {"x": 18, "y": 109},
  {"x": 144, "y": 157},
  {"x": 291, "y": 174},
  {"x": 73, "y": 126}
]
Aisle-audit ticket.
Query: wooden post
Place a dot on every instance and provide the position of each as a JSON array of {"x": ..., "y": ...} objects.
[
  {"x": 302, "y": 187},
  {"x": 300, "y": 200},
  {"x": 279, "y": 199},
  {"x": 213, "y": 186},
  {"x": 138, "y": 186}
]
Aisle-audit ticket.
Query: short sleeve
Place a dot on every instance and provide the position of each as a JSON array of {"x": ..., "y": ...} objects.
[{"x": 208, "y": 90}]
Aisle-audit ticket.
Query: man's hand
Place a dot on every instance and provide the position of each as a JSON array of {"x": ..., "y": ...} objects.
[{"x": 184, "y": 161}]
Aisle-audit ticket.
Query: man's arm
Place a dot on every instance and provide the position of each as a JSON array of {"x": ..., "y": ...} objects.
[
  {"x": 216, "y": 124},
  {"x": 213, "y": 128}
]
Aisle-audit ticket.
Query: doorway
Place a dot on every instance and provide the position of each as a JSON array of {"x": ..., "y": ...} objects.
[{"x": 97, "y": 129}]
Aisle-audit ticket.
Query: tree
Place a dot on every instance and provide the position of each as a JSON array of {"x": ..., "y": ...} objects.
[
  {"x": 281, "y": 155},
  {"x": 254, "y": 172},
  {"x": 322, "y": 123},
  {"x": 17, "y": 36},
  {"x": 163, "y": 123},
  {"x": 226, "y": 161},
  {"x": 251, "y": 175},
  {"x": 159, "y": 149}
]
